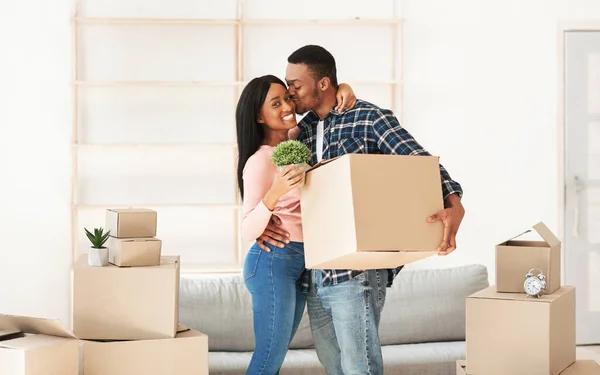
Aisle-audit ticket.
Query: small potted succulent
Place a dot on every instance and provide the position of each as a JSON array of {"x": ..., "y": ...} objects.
[
  {"x": 98, "y": 254},
  {"x": 291, "y": 152}
]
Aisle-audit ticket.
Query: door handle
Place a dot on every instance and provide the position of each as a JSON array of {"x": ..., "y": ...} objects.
[{"x": 577, "y": 188}]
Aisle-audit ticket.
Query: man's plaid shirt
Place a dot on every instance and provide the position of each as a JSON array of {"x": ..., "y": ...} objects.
[{"x": 365, "y": 129}]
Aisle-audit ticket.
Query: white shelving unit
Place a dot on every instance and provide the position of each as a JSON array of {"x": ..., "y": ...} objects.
[{"x": 240, "y": 25}]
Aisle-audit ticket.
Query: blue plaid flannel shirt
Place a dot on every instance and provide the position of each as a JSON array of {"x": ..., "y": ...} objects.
[{"x": 365, "y": 129}]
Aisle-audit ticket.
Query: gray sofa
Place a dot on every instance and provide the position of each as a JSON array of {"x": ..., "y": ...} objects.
[{"x": 422, "y": 326}]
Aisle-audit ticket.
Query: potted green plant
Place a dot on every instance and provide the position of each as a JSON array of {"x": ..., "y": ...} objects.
[
  {"x": 291, "y": 152},
  {"x": 98, "y": 254}
]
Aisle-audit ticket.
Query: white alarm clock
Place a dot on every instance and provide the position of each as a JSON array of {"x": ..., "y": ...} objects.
[{"x": 535, "y": 284}]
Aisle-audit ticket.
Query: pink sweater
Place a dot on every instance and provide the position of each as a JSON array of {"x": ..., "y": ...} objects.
[{"x": 259, "y": 174}]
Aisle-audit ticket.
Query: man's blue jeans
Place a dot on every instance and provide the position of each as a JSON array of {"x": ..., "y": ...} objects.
[
  {"x": 273, "y": 279},
  {"x": 344, "y": 319}
]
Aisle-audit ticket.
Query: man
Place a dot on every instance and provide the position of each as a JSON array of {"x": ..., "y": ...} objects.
[{"x": 345, "y": 306}]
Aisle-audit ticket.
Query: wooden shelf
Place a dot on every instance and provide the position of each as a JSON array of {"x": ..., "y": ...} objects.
[
  {"x": 324, "y": 22},
  {"x": 155, "y": 21},
  {"x": 239, "y": 25},
  {"x": 155, "y": 83},
  {"x": 81, "y": 83},
  {"x": 203, "y": 21},
  {"x": 154, "y": 145},
  {"x": 159, "y": 205}
]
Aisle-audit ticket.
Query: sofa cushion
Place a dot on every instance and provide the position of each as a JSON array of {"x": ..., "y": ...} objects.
[
  {"x": 422, "y": 306},
  {"x": 221, "y": 307},
  {"x": 427, "y": 305},
  {"x": 413, "y": 359}
]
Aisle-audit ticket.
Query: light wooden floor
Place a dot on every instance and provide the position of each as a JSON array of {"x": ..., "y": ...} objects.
[{"x": 589, "y": 352}]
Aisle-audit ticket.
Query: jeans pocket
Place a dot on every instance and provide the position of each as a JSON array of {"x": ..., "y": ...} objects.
[{"x": 251, "y": 263}]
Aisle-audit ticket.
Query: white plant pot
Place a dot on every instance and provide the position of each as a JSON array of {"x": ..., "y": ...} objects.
[
  {"x": 303, "y": 167},
  {"x": 98, "y": 257}
]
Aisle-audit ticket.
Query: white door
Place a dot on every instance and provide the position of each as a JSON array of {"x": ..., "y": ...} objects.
[{"x": 581, "y": 243}]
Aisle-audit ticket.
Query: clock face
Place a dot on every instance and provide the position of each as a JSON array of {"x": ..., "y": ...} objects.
[{"x": 533, "y": 285}]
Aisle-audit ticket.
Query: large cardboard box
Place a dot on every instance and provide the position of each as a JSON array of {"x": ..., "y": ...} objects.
[
  {"x": 186, "y": 354},
  {"x": 514, "y": 258},
  {"x": 581, "y": 367},
  {"x": 133, "y": 303},
  {"x": 131, "y": 222},
  {"x": 362, "y": 211},
  {"x": 134, "y": 252},
  {"x": 36, "y": 346},
  {"x": 509, "y": 333}
]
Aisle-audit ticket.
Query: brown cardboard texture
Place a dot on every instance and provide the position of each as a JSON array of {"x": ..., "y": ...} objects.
[
  {"x": 514, "y": 258},
  {"x": 134, "y": 252},
  {"x": 510, "y": 333},
  {"x": 186, "y": 354},
  {"x": 580, "y": 367},
  {"x": 126, "y": 303},
  {"x": 37, "y": 346},
  {"x": 363, "y": 211},
  {"x": 583, "y": 367},
  {"x": 131, "y": 222}
]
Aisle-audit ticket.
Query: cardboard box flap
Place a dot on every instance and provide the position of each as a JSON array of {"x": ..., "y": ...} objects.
[
  {"x": 9, "y": 334},
  {"x": 322, "y": 162},
  {"x": 182, "y": 328},
  {"x": 491, "y": 293},
  {"x": 582, "y": 367},
  {"x": 546, "y": 234},
  {"x": 29, "y": 342},
  {"x": 27, "y": 324}
]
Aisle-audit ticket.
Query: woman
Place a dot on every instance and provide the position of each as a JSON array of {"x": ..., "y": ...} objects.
[{"x": 265, "y": 116}]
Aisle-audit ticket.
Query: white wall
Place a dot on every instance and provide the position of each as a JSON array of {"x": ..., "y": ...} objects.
[
  {"x": 35, "y": 136},
  {"x": 481, "y": 92},
  {"x": 480, "y": 85}
]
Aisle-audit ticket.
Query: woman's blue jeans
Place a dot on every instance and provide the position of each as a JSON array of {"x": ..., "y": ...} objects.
[{"x": 273, "y": 279}]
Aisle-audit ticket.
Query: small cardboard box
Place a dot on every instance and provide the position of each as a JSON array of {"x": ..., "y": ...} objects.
[
  {"x": 131, "y": 303},
  {"x": 36, "y": 346},
  {"x": 134, "y": 252},
  {"x": 461, "y": 365},
  {"x": 510, "y": 333},
  {"x": 131, "y": 222},
  {"x": 186, "y": 354},
  {"x": 368, "y": 211},
  {"x": 514, "y": 258}
]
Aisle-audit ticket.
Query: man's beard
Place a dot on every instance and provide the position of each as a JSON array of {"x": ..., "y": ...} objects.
[{"x": 316, "y": 96}]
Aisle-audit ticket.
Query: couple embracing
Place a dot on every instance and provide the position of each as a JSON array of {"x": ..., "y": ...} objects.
[{"x": 344, "y": 317}]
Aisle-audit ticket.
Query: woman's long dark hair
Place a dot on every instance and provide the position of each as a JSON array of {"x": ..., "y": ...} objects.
[{"x": 251, "y": 134}]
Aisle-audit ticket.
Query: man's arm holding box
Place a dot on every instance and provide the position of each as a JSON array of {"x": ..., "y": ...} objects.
[{"x": 392, "y": 138}]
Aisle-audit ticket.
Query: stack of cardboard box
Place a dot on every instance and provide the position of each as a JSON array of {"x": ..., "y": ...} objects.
[
  {"x": 132, "y": 240},
  {"x": 127, "y": 313},
  {"x": 511, "y": 333}
]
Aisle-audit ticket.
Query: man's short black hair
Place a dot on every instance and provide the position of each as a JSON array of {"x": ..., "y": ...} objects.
[{"x": 318, "y": 60}]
